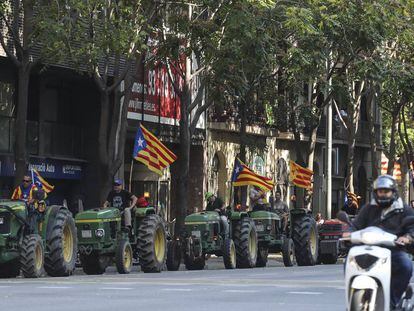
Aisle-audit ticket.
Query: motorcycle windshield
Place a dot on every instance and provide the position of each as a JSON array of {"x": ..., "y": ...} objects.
[{"x": 373, "y": 236}]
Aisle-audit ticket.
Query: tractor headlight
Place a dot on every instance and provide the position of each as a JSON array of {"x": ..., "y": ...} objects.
[
  {"x": 100, "y": 233},
  {"x": 269, "y": 227}
]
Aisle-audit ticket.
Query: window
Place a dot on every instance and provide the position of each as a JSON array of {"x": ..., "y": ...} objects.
[
  {"x": 259, "y": 165},
  {"x": 6, "y": 99}
]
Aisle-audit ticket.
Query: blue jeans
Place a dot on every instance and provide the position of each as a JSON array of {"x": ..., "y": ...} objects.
[{"x": 401, "y": 271}]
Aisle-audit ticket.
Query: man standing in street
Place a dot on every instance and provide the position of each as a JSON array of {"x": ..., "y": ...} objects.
[{"x": 123, "y": 200}]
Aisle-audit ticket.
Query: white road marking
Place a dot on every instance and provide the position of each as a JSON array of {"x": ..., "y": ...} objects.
[
  {"x": 54, "y": 287},
  {"x": 305, "y": 293},
  {"x": 177, "y": 289},
  {"x": 241, "y": 291},
  {"x": 116, "y": 288}
]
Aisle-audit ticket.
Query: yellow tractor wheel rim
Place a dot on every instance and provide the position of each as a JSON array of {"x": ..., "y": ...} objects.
[
  {"x": 38, "y": 257},
  {"x": 252, "y": 244},
  {"x": 127, "y": 257},
  {"x": 233, "y": 254},
  {"x": 159, "y": 245},
  {"x": 67, "y": 242}
]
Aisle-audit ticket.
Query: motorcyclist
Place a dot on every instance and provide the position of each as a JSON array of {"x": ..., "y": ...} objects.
[
  {"x": 214, "y": 203},
  {"x": 387, "y": 212}
]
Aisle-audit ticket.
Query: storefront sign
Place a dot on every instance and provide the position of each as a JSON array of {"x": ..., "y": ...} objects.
[{"x": 48, "y": 168}]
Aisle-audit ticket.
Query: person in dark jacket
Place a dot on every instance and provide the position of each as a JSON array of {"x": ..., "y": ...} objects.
[
  {"x": 215, "y": 204},
  {"x": 387, "y": 211}
]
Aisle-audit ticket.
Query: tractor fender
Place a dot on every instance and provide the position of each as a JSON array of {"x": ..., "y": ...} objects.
[{"x": 299, "y": 212}]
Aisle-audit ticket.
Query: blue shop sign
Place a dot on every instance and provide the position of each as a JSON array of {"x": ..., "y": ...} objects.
[{"x": 48, "y": 168}]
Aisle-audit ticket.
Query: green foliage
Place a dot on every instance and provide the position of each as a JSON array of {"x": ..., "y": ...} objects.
[{"x": 92, "y": 33}]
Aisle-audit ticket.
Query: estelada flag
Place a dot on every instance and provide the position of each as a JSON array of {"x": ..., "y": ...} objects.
[
  {"x": 300, "y": 176},
  {"x": 244, "y": 176},
  {"x": 150, "y": 151},
  {"x": 41, "y": 182}
]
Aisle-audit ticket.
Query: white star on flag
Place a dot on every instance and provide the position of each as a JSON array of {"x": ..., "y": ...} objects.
[{"x": 140, "y": 142}]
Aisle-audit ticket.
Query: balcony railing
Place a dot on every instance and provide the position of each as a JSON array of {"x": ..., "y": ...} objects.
[{"x": 44, "y": 138}]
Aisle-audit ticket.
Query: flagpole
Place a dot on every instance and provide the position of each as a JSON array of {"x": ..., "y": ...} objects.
[{"x": 130, "y": 175}]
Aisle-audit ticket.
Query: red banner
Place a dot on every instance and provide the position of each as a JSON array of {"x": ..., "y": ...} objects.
[{"x": 153, "y": 98}]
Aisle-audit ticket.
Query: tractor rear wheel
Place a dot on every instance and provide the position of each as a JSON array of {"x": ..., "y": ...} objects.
[
  {"x": 245, "y": 240},
  {"x": 152, "y": 244},
  {"x": 173, "y": 255},
  {"x": 93, "y": 264},
  {"x": 262, "y": 255},
  {"x": 124, "y": 257},
  {"x": 328, "y": 259},
  {"x": 305, "y": 238},
  {"x": 32, "y": 256},
  {"x": 197, "y": 263},
  {"x": 10, "y": 269},
  {"x": 61, "y": 245},
  {"x": 288, "y": 253},
  {"x": 229, "y": 254}
]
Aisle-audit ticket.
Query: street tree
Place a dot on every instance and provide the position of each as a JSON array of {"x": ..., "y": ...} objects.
[
  {"x": 18, "y": 36},
  {"x": 106, "y": 40}
]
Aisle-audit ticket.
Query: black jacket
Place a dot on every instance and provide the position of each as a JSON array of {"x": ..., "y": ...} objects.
[{"x": 390, "y": 221}]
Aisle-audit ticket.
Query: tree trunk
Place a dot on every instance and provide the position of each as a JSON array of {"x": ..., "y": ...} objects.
[
  {"x": 351, "y": 155},
  {"x": 372, "y": 136},
  {"x": 183, "y": 161},
  {"x": 104, "y": 169},
  {"x": 392, "y": 152},
  {"x": 243, "y": 144},
  {"x": 20, "y": 128}
]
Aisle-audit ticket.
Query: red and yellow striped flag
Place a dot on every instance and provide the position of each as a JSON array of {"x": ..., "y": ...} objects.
[
  {"x": 300, "y": 176},
  {"x": 243, "y": 176},
  {"x": 150, "y": 151}
]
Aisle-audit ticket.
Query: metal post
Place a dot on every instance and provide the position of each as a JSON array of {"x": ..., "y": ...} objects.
[{"x": 329, "y": 152}]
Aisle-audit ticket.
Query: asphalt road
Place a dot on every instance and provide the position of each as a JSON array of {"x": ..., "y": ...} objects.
[{"x": 272, "y": 288}]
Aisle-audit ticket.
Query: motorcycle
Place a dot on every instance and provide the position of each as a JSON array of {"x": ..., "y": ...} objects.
[{"x": 368, "y": 269}]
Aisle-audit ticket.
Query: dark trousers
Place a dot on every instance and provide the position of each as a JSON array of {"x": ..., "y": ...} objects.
[{"x": 401, "y": 271}]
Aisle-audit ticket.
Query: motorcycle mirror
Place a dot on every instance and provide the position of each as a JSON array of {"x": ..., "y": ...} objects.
[
  {"x": 408, "y": 221},
  {"x": 342, "y": 216}
]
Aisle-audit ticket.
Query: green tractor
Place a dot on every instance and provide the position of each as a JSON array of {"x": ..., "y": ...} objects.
[
  {"x": 103, "y": 240},
  {"x": 298, "y": 243},
  {"x": 204, "y": 235},
  {"x": 49, "y": 246}
]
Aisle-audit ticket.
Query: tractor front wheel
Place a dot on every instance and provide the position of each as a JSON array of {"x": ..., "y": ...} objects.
[
  {"x": 10, "y": 269},
  {"x": 93, "y": 264},
  {"x": 173, "y": 255},
  {"x": 262, "y": 255},
  {"x": 288, "y": 253},
  {"x": 245, "y": 240},
  {"x": 305, "y": 238},
  {"x": 328, "y": 259},
  {"x": 61, "y": 245},
  {"x": 229, "y": 254},
  {"x": 124, "y": 257},
  {"x": 152, "y": 244},
  {"x": 32, "y": 256}
]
